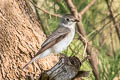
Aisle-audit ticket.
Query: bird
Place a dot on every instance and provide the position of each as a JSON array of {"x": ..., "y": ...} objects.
[{"x": 59, "y": 40}]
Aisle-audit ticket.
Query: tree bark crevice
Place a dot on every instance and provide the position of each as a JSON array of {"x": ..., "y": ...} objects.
[{"x": 20, "y": 37}]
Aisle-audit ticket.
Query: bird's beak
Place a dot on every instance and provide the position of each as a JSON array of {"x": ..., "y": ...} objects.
[{"x": 76, "y": 20}]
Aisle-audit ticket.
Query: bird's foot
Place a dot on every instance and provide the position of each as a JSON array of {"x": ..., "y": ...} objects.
[{"x": 63, "y": 55}]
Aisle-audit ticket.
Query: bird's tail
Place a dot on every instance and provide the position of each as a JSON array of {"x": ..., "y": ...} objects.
[
  {"x": 35, "y": 58},
  {"x": 38, "y": 56}
]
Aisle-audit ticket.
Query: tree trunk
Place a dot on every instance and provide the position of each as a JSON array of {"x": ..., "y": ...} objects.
[{"x": 20, "y": 38}]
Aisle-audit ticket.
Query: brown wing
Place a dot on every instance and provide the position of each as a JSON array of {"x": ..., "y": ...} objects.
[
  {"x": 57, "y": 36},
  {"x": 54, "y": 38}
]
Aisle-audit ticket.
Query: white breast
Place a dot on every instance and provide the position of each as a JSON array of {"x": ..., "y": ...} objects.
[{"x": 63, "y": 44}]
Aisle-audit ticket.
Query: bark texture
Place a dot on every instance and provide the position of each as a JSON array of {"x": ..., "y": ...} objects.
[
  {"x": 66, "y": 69},
  {"x": 20, "y": 38}
]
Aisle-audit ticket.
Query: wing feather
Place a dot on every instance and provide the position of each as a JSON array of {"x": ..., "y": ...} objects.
[
  {"x": 57, "y": 36},
  {"x": 61, "y": 31},
  {"x": 54, "y": 38}
]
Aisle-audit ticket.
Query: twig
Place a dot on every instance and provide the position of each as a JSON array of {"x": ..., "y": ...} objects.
[
  {"x": 111, "y": 3},
  {"x": 55, "y": 15},
  {"x": 97, "y": 31},
  {"x": 88, "y": 57},
  {"x": 100, "y": 29},
  {"x": 87, "y": 7},
  {"x": 113, "y": 19},
  {"x": 86, "y": 42},
  {"x": 72, "y": 50},
  {"x": 83, "y": 33}
]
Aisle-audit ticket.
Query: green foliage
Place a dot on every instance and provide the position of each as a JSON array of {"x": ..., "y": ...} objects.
[{"x": 109, "y": 68}]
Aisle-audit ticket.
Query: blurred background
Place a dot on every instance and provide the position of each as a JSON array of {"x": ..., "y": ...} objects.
[{"x": 100, "y": 27}]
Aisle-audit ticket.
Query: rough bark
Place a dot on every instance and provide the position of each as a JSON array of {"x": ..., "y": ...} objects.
[
  {"x": 20, "y": 38},
  {"x": 66, "y": 69}
]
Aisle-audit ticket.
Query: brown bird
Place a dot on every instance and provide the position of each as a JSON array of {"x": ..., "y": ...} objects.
[{"x": 59, "y": 40}]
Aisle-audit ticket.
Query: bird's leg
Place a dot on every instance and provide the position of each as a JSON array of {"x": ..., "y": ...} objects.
[
  {"x": 86, "y": 43},
  {"x": 62, "y": 55}
]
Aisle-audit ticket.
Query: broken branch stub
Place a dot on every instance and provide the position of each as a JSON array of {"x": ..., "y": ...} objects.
[{"x": 66, "y": 69}]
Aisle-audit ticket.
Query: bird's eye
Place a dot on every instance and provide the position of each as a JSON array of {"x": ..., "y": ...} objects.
[{"x": 67, "y": 19}]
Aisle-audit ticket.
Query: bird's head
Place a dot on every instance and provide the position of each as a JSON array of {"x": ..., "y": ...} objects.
[{"x": 68, "y": 20}]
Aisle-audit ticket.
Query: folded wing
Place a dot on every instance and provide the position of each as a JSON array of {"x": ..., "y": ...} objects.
[{"x": 54, "y": 38}]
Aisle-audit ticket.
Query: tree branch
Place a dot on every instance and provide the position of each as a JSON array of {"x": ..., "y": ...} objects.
[
  {"x": 87, "y": 7},
  {"x": 66, "y": 69},
  {"x": 93, "y": 55},
  {"x": 113, "y": 19},
  {"x": 55, "y": 15}
]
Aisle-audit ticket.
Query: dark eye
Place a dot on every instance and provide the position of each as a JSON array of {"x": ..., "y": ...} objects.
[{"x": 67, "y": 19}]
